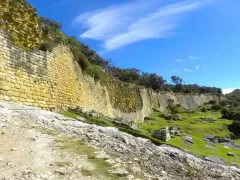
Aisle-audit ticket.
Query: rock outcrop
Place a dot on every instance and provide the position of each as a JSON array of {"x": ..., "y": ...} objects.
[{"x": 139, "y": 155}]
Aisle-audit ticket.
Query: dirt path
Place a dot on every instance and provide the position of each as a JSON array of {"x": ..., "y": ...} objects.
[{"x": 28, "y": 151}]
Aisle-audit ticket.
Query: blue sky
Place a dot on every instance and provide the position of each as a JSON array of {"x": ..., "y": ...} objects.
[{"x": 198, "y": 40}]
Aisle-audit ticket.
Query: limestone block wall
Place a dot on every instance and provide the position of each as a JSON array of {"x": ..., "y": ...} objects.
[
  {"x": 54, "y": 80},
  {"x": 47, "y": 80},
  {"x": 21, "y": 22}
]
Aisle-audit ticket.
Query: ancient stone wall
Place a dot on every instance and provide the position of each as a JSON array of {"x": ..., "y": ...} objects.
[
  {"x": 54, "y": 80},
  {"x": 21, "y": 22},
  {"x": 47, "y": 80}
]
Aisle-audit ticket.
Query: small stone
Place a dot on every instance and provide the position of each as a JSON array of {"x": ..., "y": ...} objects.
[
  {"x": 9, "y": 163},
  {"x": 136, "y": 159},
  {"x": 188, "y": 139},
  {"x": 120, "y": 171},
  {"x": 61, "y": 171},
  {"x": 230, "y": 154},
  {"x": 130, "y": 177},
  {"x": 13, "y": 149},
  {"x": 102, "y": 155},
  {"x": 110, "y": 161}
]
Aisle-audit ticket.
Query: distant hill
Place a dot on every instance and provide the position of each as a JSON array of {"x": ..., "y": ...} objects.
[{"x": 234, "y": 96}]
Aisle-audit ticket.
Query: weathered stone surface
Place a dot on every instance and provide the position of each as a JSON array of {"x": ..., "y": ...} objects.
[
  {"x": 155, "y": 162},
  {"x": 230, "y": 154},
  {"x": 188, "y": 139},
  {"x": 216, "y": 160},
  {"x": 162, "y": 134},
  {"x": 211, "y": 138}
]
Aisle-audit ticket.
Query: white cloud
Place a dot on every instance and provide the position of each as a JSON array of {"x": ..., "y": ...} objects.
[
  {"x": 134, "y": 21},
  {"x": 197, "y": 67},
  {"x": 187, "y": 70},
  {"x": 228, "y": 90},
  {"x": 193, "y": 57},
  {"x": 179, "y": 60}
]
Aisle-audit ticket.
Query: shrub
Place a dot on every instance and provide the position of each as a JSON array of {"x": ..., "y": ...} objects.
[
  {"x": 212, "y": 102},
  {"x": 82, "y": 61},
  {"x": 235, "y": 128},
  {"x": 224, "y": 103},
  {"x": 174, "y": 109},
  {"x": 216, "y": 107},
  {"x": 204, "y": 109},
  {"x": 231, "y": 113},
  {"x": 46, "y": 46}
]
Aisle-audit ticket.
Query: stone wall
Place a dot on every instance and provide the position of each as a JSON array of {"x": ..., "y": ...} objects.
[
  {"x": 21, "y": 22},
  {"x": 54, "y": 80},
  {"x": 47, "y": 80}
]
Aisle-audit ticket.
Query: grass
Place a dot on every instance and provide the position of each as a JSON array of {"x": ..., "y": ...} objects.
[
  {"x": 198, "y": 129},
  {"x": 87, "y": 172},
  {"x": 69, "y": 114},
  {"x": 78, "y": 147},
  {"x": 193, "y": 124},
  {"x": 103, "y": 122},
  {"x": 47, "y": 131}
]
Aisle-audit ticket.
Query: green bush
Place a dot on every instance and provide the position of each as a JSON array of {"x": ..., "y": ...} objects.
[
  {"x": 235, "y": 128},
  {"x": 216, "y": 107},
  {"x": 82, "y": 61},
  {"x": 204, "y": 109},
  {"x": 232, "y": 113},
  {"x": 174, "y": 109},
  {"x": 46, "y": 46},
  {"x": 212, "y": 102}
]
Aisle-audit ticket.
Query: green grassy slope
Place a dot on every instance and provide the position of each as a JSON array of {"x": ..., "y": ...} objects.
[
  {"x": 198, "y": 129},
  {"x": 193, "y": 124}
]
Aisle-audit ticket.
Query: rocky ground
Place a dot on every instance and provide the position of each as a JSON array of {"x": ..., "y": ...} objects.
[{"x": 37, "y": 144}]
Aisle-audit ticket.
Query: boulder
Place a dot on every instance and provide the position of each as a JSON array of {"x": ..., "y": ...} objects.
[
  {"x": 177, "y": 133},
  {"x": 162, "y": 134},
  {"x": 230, "y": 154},
  {"x": 211, "y": 138},
  {"x": 188, "y": 139},
  {"x": 172, "y": 117}
]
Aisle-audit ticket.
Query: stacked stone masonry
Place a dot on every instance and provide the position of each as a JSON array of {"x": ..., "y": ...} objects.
[
  {"x": 53, "y": 80},
  {"x": 21, "y": 22}
]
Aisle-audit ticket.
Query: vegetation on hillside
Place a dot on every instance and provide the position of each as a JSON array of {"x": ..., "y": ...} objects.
[
  {"x": 197, "y": 124},
  {"x": 231, "y": 111},
  {"x": 102, "y": 70}
]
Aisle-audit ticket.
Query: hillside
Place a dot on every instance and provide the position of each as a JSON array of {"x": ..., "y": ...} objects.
[
  {"x": 67, "y": 113},
  {"x": 234, "y": 97},
  {"x": 44, "y": 145}
]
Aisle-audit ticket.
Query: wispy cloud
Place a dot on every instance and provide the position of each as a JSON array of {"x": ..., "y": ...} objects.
[
  {"x": 193, "y": 57},
  {"x": 134, "y": 21},
  {"x": 179, "y": 60},
  {"x": 197, "y": 67},
  {"x": 187, "y": 70}
]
